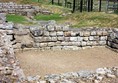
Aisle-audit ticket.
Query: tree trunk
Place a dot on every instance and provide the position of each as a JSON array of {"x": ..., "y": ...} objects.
[
  {"x": 52, "y": 1},
  {"x": 74, "y": 1}
]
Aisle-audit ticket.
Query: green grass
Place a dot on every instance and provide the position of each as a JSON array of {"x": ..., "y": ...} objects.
[
  {"x": 93, "y": 19},
  {"x": 48, "y": 17},
  {"x": 15, "y": 18}
]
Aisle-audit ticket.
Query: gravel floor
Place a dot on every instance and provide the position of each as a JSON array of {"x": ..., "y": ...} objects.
[{"x": 36, "y": 62}]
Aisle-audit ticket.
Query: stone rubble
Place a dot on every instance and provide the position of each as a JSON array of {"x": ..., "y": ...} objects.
[{"x": 27, "y": 10}]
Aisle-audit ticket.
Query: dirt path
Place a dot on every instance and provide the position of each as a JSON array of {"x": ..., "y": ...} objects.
[{"x": 47, "y": 62}]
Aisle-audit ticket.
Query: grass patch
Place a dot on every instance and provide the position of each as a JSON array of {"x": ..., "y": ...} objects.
[
  {"x": 15, "y": 18},
  {"x": 48, "y": 17},
  {"x": 93, "y": 19}
]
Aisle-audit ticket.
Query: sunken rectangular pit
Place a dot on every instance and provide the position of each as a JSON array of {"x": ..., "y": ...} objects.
[{"x": 35, "y": 62}]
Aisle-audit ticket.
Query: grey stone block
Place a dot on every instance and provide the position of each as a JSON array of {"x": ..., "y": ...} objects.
[
  {"x": 89, "y": 43},
  {"x": 71, "y": 48},
  {"x": 60, "y": 38},
  {"x": 50, "y": 28},
  {"x": 67, "y": 39},
  {"x": 83, "y": 43},
  {"x": 60, "y": 33},
  {"x": 94, "y": 38},
  {"x": 66, "y": 43},
  {"x": 93, "y": 33},
  {"x": 73, "y": 34},
  {"x": 36, "y": 45},
  {"x": 99, "y": 33},
  {"x": 103, "y": 38},
  {"x": 46, "y": 39},
  {"x": 73, "y": 39},
  {"x": 53, "y": 34},
  {"x": 66, "y": 28},
  {"x": 104, "y": 33},
  {"x": 76, "y": 43},
  {"x": 102, "y": 42},
  {"x": 94, "y": 43},
  {"x": 58, "y": 43},
  {"x": 85, "y": 38},
  {"x": 57, "y": 48},
  {"x": 37, "y": 39},
  {"x": 80, "y": 38},
  {"x": 58, "y": 28},
  {"x": 46, "y": 33},
  {"x": 115, "y": 41},
  {"x": 43, "y": 44},
  {"x": 51, "y": 44},
  {"x": 53, "y": 38}
]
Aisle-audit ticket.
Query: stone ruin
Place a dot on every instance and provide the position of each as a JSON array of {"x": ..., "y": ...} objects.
[
  {"x": 26, "y": 10},
  {"x": 51, "y": 36}
]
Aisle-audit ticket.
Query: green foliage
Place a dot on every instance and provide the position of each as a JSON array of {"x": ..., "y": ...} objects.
[
  {"x": 48, "y": 17},
  {"x": 15, "y": 18}
]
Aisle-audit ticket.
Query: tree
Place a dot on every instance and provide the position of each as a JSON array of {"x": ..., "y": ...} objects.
[
  {"x": 52, "y": 1},
  {"x": 74, "y": 1}
]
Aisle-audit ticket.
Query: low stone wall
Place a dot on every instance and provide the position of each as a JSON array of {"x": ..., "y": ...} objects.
[
  {"x": 62, "y": 37},
  {"x": 27, "y": 10},
  {"x": 53, "y": 37},
  {"x": 113, "y": 39},
  {"x": 10, "y": 71}
]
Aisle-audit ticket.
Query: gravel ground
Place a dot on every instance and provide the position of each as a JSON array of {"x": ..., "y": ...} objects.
[{"x": 36, "y": 62}]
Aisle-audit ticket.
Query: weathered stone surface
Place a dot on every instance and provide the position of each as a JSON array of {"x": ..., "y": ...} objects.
[
  {"x": 73, "y": 39},
  {"x": 67, "y": 39},
  {"x": 86, "y": 33},
  {"x": 46, "y": 33},
  {"x": 54, "y": 38},
  {"x": 85, "y": 38},
  {"x": 102, "y": 42},
  {"x": 100, "y": 71},
  {"x": 51, "y": 44},
  {"x": 53, "y": 34},
  {"x": 60, "y": 33},
  {"x": 50, "y": 28},
  {"x": 60, "y": 38},
  {"x": 57, "y": 48},
  {"x": 83, "y": 43},
  {"x": 58, "y": 28},
  {"x": 80, "y": 38},
  {"x": 93, "y": 33},
  {"x": 43, "y": 44},
  {"x": 70, "y": 48},
  {"x": 94, "y": 38},
  {"x": 67, "y": 34},
  {"x": 99, "y": 33},
  {"x": 66, "y": 28},
  {"x": 114, "y": 45},
  {"x": 66, "y": 43},
  {"x": 103, "y": 38}
]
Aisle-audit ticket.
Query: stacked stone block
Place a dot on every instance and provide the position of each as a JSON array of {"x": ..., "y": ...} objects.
[
  {"x": 27, "y": 10},
  {"x": 10, "y": 71},
  {"x": 113, "y": 39},
  {"x": 59, "y": 37}
]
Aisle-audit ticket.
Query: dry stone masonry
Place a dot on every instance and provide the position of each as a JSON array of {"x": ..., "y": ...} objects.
[
  {"x": 27, "y": 10},
  {"x": 52, "y": 36},
  {"x": 10, "y": 71},
  {"x": 113, "y": 39}
]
